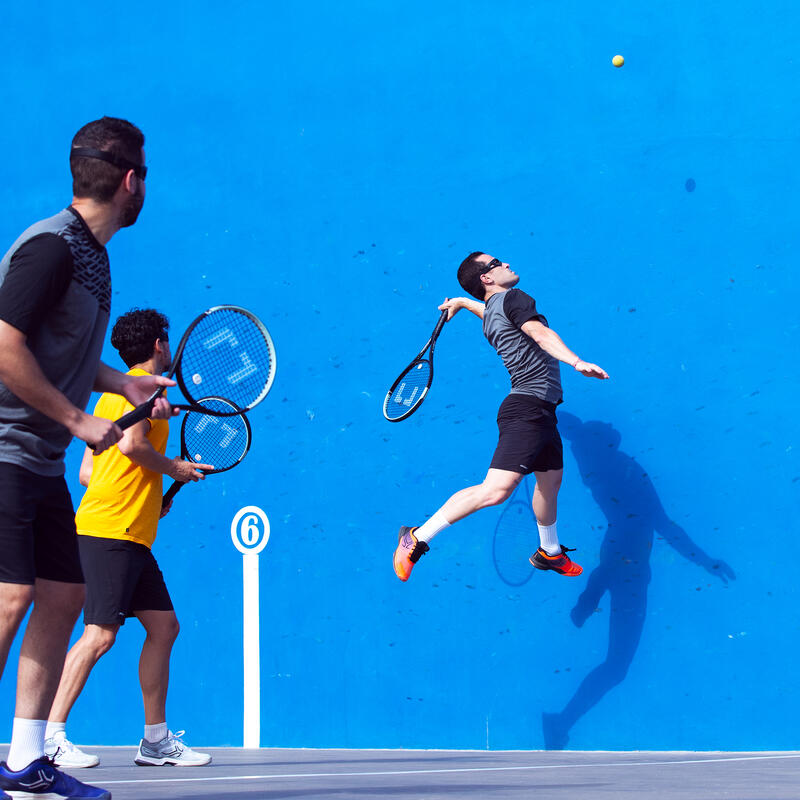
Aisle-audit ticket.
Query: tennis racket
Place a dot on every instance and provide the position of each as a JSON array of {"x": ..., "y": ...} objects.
[
  {"x": 515, "y": 538},
  {"x": 409, "y": 390},
  {"x": 226, "y": 352},
  {"x": 215, "y": 434}
]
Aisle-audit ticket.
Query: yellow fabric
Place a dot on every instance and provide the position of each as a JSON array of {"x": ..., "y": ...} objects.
[{"x": 123, "y": 500}]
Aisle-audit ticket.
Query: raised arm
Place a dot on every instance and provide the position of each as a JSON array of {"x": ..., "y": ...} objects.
[
  {"x": 455, "y": 304},
  {"x": 553, "y": 345}
]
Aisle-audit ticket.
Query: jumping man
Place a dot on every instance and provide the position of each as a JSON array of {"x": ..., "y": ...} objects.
[{"x": 529, "y": 439}]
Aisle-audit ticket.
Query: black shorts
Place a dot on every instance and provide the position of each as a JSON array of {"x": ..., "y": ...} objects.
[
  {"x": 529, "y": 439},
  {"x": 37, "y": 528},
  {"x": 121, "y": 578}
]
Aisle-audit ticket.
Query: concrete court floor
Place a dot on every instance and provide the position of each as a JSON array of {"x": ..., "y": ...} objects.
[{"x": 437, "y": 774}]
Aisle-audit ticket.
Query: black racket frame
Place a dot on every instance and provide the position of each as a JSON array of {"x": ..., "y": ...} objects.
[{"x": 431, "y": 343}]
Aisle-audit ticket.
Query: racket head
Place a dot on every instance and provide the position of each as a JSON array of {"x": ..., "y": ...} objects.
[
  {"x": 208, "y": 438},
  {"x": 226, "y": 352},
  {"x": 515, "y": 538},
  {"x": 407, "y": 393}
]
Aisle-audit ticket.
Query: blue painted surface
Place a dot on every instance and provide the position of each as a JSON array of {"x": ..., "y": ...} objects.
[{"x": 329, "y": 166}]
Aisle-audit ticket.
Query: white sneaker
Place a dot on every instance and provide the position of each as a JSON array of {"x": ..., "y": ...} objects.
[
  {"x": 170, "y": 750},
  {"x": 65, "y": 754}
]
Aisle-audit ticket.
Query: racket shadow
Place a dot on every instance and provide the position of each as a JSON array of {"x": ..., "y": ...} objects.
[{"x": 516, "y": 537}]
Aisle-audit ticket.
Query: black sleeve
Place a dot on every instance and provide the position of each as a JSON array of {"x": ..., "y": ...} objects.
[
  {"x": 39, "y": 274},
  {"x": 521, "y": 308}
]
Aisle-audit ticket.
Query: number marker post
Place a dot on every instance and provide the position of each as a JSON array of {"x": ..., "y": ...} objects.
[{"x": 250, "y": 534}]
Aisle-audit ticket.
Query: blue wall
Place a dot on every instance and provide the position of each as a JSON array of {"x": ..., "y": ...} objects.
[{"x": 328, "y": 165}]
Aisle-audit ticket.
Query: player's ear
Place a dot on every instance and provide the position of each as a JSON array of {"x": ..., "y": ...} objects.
[{"x": 130, "y": 181}]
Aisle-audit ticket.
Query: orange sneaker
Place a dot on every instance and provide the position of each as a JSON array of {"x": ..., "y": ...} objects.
[
  {"x": 408, "y": 551},
  {"x": 561, "y": 563}
]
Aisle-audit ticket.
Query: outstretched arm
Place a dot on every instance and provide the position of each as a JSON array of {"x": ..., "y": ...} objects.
[
  {"x": 134, "y": 388},
  {"x": 677, "y": 537},
  {"x": 455, "y": 304},
  {"x": 553, "y": 345}
]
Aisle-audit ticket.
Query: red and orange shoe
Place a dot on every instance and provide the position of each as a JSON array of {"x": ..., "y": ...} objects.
[
  {"x": 409, "y": 549},
  {"x": 561, "y": 563}
]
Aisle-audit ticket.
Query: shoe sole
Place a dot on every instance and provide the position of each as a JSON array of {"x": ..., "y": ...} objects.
[
  {"x": 15, "y": 795},
  {"x": 168, "y": 762},
  {"x": 394, "y": 557}
]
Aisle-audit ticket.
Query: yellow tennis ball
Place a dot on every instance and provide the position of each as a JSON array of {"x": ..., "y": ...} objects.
[{"x": 618, "y": 61}]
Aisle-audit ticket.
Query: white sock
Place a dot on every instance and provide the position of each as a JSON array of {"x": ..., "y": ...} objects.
[
  {"x": 27, "y": 742},
  {"x": 155, "y": 733},
  {"x": 53, "y": 728},
  {"x": 436, "y": 524},
  {"x": 549, "y": 539}
]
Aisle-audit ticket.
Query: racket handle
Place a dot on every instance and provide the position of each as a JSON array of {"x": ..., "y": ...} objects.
[
  {"x": 132, "y": 417},
  {"x": 439, "y": 325},
  {"x": 137, "y": 415},
  {"x": 171, "y": 492}
]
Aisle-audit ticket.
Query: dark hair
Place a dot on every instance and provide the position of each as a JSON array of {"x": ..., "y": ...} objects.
[
  {"x": 135, "y": 333},
  {"x": 469, "y": 275},
  {"x": 97, "y": 179}
]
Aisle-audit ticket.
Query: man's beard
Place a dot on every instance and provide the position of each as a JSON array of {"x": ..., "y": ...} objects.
[{"x": 130, "y": 213}]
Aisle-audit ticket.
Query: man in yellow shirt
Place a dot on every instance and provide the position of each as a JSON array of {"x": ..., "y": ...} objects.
[{"x": 117, "y": 521}]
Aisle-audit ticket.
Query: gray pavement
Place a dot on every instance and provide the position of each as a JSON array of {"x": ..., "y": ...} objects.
[{"x": 439, "y": 774}]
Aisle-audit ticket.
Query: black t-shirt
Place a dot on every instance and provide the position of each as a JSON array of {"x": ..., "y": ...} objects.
[{"x": 38, "y": 275}]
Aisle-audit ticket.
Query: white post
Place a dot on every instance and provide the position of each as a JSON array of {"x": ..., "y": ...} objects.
[
  {"x": 250, "y": 534},
  {"x": 252, "y": 653}
]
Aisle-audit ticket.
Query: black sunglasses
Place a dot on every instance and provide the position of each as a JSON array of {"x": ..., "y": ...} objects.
[
  {"x": 140, "y": 170},
  {"x": 495, "y": 262}
]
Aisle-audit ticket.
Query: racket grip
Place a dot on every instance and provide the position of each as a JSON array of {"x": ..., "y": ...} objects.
[
  {"x": 440, "y": 324},
  {"x": 137, "y": 415},
  {"x": 171, "y": 492}
]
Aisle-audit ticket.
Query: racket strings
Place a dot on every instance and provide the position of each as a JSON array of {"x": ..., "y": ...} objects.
[
  {"x": 410, "y": 390},
  {"x": 227, "y": 354},
  {"x": 221, "y": 441}
]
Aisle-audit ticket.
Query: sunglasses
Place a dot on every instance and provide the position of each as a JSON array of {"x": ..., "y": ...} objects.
[
  {"x": 140, "y": 170},
  {"x": 495, "y": 262}
]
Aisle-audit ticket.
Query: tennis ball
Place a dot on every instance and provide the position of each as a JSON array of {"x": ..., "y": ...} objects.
[{"x": 618, "y": 61}]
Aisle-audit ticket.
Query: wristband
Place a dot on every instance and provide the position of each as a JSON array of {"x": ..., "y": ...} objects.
[{"x": 575, "y": 365}]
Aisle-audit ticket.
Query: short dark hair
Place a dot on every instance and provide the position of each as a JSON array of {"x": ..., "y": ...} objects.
[
  {"x": 134, "y": 334},
  {"x": 97, "y": 179},
  {"x": 469, "y": 275}
]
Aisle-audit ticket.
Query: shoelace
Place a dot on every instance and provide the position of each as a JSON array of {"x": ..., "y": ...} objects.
[{"x": 176, "y": 739}]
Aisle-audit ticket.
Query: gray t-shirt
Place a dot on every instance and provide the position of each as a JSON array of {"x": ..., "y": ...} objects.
[
  {"x": 55, "y": 287},
  {"x": 532, "y": 371}
]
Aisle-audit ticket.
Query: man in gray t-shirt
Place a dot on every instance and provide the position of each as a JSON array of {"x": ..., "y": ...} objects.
[
  {"x": 55, "y": 293},
  {"x": 528, "y": 436}
]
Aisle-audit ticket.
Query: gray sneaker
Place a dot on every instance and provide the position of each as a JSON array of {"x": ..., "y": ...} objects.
[{"x": 170, "y": 750}]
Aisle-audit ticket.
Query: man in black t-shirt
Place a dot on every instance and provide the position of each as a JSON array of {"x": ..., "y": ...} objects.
[
  {"x": 529, "y": 439},
  {"x": 55, "y": 293}
]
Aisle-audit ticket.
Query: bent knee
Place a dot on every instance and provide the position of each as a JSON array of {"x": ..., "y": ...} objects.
[
  {"x": 493, "y": 496},
  {"x": 100, "y": 640}
]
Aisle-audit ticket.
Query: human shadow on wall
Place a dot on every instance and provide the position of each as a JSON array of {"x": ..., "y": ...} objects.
[{"x": 628, "y": 499}]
